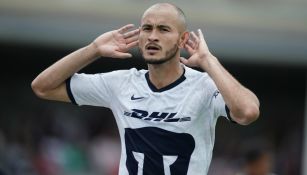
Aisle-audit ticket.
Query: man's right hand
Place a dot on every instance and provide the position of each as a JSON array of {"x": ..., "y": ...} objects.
[
  {"x": 50, "y": 84},
  {"x": 116, "y": 43}
]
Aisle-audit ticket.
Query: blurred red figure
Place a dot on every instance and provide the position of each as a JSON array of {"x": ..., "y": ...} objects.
[{"x": 257, "y": 162}]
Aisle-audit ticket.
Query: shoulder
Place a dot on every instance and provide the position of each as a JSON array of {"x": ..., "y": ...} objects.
[
  {"x": 195, "y": 75},
  {"x": 109, "y": 78},
  {"x": 120, "y": 78},
  {"x": 200, "y": 80},
  {"x": 122, "y": 74}
]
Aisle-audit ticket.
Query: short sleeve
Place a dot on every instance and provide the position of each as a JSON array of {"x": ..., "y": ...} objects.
[
  {"x": 219, "y": 106},
  {"x": 89, "y": 89}
]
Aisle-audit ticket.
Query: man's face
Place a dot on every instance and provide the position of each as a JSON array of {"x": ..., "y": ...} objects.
[{"x": 159, "y": 36}]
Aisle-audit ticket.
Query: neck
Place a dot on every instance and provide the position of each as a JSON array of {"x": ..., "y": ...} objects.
[{"x": 164, "y": 74}]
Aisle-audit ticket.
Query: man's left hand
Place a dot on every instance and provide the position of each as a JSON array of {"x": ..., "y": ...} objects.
[{"x": 198, "y": 49}]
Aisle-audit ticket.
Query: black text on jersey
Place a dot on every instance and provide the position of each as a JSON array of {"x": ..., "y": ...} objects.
[{"x": 155, "y": 116}]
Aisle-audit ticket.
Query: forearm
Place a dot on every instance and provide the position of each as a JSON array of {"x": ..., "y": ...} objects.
[
  {"x": 243, "y": 104},
  {"x": 57, "y": 73}
]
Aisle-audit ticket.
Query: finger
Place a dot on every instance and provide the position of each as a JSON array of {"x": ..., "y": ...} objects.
[
  {"x": 191, "y": 43},
  {"x": 124, "y": 29},
  {"x": 189, "y": 49},
  {"x": 184, "y": 60},
  {"x": 122, "y": 55},
  {"x": 132, "y": 33},
  {"x": 196, "y": 39},
  {"x": 201, "y": 36},
  {"x": 132, "y": 39},
  {"x": 133, "y": 44}
]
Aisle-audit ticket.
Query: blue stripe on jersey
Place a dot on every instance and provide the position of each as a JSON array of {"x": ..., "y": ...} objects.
[
  {"x": 228, "y": 115},
  {"x": 68, "y": 89}
]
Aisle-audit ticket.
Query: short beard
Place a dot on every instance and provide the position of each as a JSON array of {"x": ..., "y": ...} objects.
[{"x": 168, "y": 56}]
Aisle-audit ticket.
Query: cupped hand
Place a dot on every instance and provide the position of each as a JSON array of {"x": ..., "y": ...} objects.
[
  {"x": 116, "y": 43},
  {"x": 197, "y": 48}
]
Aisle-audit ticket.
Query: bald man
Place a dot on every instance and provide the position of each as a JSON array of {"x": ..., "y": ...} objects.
[{"x": 166, "y": 115}]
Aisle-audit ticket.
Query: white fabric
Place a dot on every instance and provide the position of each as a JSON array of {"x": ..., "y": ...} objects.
[{"x": 195, "y": 100}]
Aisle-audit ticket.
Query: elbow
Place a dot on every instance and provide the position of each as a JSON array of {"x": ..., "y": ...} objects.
[
  {"x": 248, "y": 115},
  {"x": 38, "y": 89}
]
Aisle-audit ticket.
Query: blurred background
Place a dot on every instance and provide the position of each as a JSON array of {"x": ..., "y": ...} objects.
[{"x": 262, "y": 43}]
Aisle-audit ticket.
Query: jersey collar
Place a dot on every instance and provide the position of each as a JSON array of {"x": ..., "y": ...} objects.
[{"x": 168, "y": 87}]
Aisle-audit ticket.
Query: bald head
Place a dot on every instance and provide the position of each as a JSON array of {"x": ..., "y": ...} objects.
[
  {"x": 169, "y": 7},
  {"x": 162, "y": 34}
]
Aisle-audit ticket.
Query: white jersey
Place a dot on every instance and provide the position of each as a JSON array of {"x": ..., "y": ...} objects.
[{"x": 168, "y": 131}]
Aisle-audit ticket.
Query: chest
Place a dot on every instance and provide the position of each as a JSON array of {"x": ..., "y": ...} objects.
[{"x": 180, "y": 107}]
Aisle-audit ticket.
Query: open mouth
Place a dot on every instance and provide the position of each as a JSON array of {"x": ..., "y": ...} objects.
[{"x": 152, "y": 47}]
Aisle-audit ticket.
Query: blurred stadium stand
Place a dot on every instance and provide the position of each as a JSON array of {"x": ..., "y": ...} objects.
[{"x": 262, "y": 43}]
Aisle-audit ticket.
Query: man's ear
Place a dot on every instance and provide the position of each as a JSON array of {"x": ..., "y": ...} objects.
[{"x": 184, "y": 39}]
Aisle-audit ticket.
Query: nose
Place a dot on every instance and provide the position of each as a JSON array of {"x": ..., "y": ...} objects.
[{"x": 153, "y": 36}]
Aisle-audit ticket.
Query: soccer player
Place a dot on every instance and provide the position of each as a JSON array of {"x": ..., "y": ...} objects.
[{"x": 166, "y": 115}]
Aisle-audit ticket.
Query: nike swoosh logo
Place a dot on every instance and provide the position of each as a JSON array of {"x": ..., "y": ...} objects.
[{"x": 136, "y": 98}]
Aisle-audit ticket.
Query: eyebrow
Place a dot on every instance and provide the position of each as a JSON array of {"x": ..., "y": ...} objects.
[
  {"x": 164, "y": 26},
  {"x": 146, "y": 25},
  {"x": 158, "y": 26}
]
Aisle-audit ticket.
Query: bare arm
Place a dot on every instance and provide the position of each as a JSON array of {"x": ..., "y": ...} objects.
[
  {"x": 242, "y": 103},
  {"x": 50, "y": 84}
]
